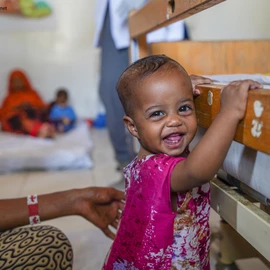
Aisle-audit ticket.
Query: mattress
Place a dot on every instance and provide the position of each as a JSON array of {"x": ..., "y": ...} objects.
[
  {"x": 66, "y": 151},
  {"x": 232, "y": 77},
  {"x": 245, "y": 164}
]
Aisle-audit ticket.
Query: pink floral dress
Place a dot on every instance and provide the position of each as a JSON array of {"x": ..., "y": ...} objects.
[{"x": 151, "y": 235}]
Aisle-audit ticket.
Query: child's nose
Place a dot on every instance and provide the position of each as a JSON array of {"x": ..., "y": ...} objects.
[{"x": 174, "y": 120}]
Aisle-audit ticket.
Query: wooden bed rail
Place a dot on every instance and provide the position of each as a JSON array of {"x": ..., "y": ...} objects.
[
  {"x": 159, "y": 13},
  {"x": 254, "y": 130},
  {"x": 218, "y": 57}
]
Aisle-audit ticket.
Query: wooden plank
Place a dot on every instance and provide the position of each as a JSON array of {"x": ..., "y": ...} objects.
[
  {"x": 218, "y": 57},
  {"x": 159, "y": 13},
  {"x": 246, "y": 218},
  {"x": 143, "y": 47},
  {"x": 253, "y": 130},
  {"x": 138, "y": 49}
]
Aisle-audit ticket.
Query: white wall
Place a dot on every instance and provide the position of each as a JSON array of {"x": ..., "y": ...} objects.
[
  {"x": 232, "y": 19},
  {"x": 63, "y": 56}
]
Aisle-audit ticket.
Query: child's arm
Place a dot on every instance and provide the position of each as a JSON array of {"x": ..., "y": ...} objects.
[{"x": 207, "y": 157}]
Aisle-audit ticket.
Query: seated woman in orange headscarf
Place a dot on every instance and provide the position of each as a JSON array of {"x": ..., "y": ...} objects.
[{"x": 23, "y": 111}]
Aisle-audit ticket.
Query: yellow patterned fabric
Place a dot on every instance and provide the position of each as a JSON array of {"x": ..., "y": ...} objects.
[
  {"x": 37, "y": 247},
  {"x": 30, "y": 8}
]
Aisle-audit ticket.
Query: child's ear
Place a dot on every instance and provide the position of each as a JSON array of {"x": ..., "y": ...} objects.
[{"x": 130, "y": 125}]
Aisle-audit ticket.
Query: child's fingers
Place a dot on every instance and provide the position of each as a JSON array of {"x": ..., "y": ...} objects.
[
  {"x": 196, "y": 92},
  {"x": 249, "y": 84},
  {"x": 196, "y": 79},
  {"x": 202, "y": 80},
  {"x": 206, "y": 80},
  {"x": 255, "y": 85}
]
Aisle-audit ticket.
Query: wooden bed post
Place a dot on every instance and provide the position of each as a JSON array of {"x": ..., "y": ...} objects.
[
  {"x": 163, "y": 12},
  {"x": 138, "y": 48},
  {"x": 159, "y": 13}
]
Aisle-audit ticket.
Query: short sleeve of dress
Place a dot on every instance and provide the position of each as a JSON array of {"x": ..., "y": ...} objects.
[{"x": 158, "y": 170}]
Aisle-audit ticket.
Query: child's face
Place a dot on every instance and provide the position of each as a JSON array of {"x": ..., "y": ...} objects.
[
  {"x": 164, "y": 118},
  {"x": 61, "y": 100}
]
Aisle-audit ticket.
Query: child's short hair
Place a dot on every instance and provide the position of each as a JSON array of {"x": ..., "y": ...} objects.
[
  {"x": 62, "y": 93},
  {"x": 131, "y": 78}
]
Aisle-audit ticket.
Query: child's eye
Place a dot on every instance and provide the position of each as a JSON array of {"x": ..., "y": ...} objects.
[
  {"x": 185, "y": 108},
  {"x": 156, "y": 114}
]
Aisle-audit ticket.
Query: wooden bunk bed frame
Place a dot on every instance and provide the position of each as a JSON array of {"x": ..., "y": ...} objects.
[{"x": 216, "y": 57}]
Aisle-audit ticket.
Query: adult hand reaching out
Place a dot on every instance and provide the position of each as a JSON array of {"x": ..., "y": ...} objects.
[
  {"x": 99, "y": 205},
  {"x": 102, "y": 207}
]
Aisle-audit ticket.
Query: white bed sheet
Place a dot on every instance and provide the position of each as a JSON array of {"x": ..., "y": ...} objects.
[
  {"x": 66, "y": 151},
  {"x": 245, "y": 164},
  {"x": 265, "y": 80}
]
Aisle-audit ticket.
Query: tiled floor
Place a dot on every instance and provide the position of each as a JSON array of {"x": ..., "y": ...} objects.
[{"x": 89, "y": 244}]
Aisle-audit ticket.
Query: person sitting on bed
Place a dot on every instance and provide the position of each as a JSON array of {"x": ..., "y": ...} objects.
[
  {"x": 23, "y": 111},
  {"x": 165, "y": 221},
  {"x": 61, "y": 114}
]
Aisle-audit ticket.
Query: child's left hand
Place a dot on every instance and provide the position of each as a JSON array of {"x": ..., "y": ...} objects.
[
  {"x": 196, "y": 79},
  {"x": 66, "y": 121}
]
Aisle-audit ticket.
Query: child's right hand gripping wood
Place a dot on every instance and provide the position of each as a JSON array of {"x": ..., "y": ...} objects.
[
  {"x": 253, "y": 130},
  {"x": 207, "y": 157}
]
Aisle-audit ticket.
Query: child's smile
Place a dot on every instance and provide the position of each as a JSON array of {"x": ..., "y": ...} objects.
[
  {"x": 164, "y": 117},
  {"x": 174, "y": 140}
]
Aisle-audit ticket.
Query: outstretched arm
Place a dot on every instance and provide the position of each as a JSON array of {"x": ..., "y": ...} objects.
[
  {"x": 207, "y": 157},
  {"x": 100, "y": 206}
]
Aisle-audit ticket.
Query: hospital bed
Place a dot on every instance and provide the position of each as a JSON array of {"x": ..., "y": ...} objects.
[
  {"x": 68, "y": 151},
  {"x": 241, "y": 189}
]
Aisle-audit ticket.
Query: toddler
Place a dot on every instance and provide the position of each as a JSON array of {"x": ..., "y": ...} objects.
[
  {"x": 61, "y": 114},
  {"x": 164, "y": 224}
]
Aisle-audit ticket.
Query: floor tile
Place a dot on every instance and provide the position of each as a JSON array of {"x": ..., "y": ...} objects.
[
  {"x": 251, "y": 264},
  {"x": 45, "y": 182},
  {"x": 12, "y": 184}
]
